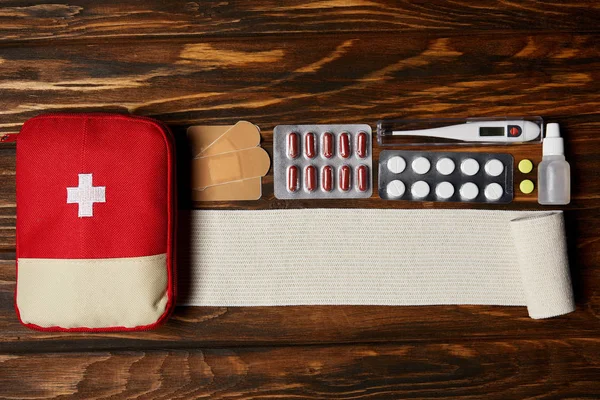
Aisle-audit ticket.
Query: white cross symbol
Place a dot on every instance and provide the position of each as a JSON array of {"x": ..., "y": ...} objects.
[{"x": 86, "y": 195}]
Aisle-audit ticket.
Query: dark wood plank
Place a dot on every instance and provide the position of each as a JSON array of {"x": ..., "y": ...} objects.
[
  {"x": 347, "y": 77},
  {"x": 7, "y": 198},
  {"x": 22, "y": 20},
  {"x": 493, "y": 370}
]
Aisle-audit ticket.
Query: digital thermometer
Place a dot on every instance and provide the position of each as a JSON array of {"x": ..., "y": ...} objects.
[{"x": 509, "y": 131}]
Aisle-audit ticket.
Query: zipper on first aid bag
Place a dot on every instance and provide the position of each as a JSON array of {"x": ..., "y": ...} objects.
[{"x": 8, "y": 137}]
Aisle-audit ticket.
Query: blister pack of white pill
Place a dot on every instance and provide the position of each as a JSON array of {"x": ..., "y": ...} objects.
[
  {"x": 322, "y": 161},
  {"x": 446, "y": 176}
]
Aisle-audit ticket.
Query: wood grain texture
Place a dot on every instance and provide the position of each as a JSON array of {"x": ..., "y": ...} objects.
[
  {"x": 81, "y": 19},
  {"x": 491, "y": 370},
  {"x": 273, "y": 63},
  {"x": 348, "y": 77}
]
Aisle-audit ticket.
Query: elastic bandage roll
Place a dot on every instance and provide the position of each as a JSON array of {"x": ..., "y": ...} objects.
[{"x": 377, "y": 257}]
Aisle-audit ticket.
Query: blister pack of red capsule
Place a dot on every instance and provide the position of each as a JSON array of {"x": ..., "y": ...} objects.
[{"x": 322, "y": 161}]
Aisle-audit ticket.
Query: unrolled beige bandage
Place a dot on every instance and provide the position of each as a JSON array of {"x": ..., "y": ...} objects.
[{"x": 377, "y": 257}]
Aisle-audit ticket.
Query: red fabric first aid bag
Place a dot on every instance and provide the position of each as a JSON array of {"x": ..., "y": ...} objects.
[{"x": 95, "y": 223}]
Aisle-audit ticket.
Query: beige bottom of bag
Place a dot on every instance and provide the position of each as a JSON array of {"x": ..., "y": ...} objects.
[{"x": 92, "y": 293}]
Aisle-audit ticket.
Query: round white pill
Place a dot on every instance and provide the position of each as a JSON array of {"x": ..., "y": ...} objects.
[
  {"x": 396, "y": 164},
  {"x": 493, "y": 167},
  {"x": 445, "y": 166},
  {"x": 444, "y": 190},
  {"x": 469, "y": 166},
  {"x": 395, "y": 188},
  {"x": 469, "y": 191},
  {"x": 419, "y": 189},
  {"x": 421, "y": 165},
  {"x": 493, "y": 191}
]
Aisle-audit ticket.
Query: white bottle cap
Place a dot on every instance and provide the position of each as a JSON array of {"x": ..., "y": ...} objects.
[{"x": 553, "y": 144}]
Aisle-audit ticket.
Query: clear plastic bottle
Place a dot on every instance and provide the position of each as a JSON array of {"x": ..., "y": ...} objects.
[{"x": 554, "y": 172}]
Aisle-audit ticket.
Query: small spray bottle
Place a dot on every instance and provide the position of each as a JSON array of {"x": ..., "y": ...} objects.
[{"x": 554, "y": 172}]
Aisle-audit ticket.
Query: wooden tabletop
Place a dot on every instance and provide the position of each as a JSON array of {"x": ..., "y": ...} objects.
[{"x": 270, "y": 62}]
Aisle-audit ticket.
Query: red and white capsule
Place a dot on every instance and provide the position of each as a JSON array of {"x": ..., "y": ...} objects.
[
  {"x": 292, "y": 178},
  {"x": 327, "y": 178},
  {"x": 345, "y": 178},
  {"x": 362, "y": 178},
  {"x": 361, "y": 145},
  {"x": 293, "y": 148},
  {"x": 310, "y": 178},
  {"x": 344, "y": 145},
  {"x": 328, "y": 144}
]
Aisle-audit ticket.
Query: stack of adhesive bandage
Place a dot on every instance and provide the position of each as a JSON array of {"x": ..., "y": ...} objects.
[{"x": 228, "y": 162}]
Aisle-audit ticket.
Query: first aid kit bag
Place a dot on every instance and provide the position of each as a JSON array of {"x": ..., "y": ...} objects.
[{"x": 95, "y": 223}]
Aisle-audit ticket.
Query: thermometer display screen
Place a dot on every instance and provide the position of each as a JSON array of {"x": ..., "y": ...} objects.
[{"x": 491, "y": 131}]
